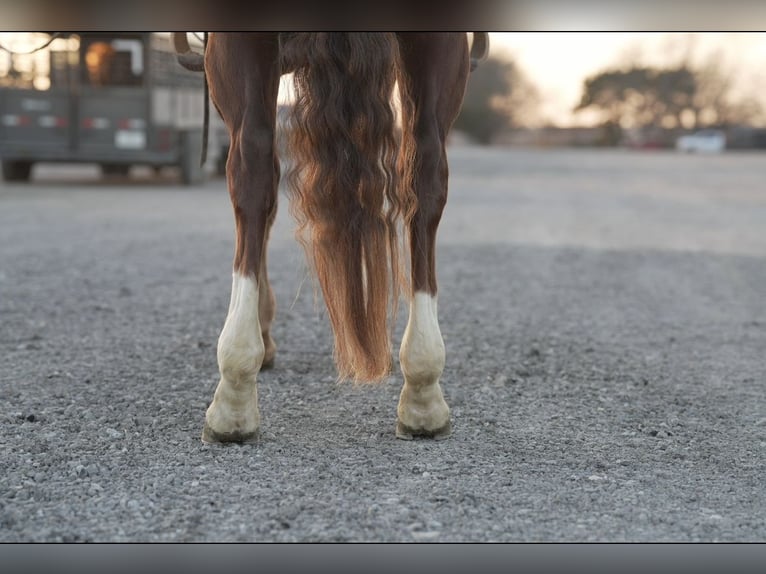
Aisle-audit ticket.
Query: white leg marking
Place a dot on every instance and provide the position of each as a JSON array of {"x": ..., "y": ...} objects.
[
  {"x": 422, "y": 356},
  {"x": 234, "y": 409}
]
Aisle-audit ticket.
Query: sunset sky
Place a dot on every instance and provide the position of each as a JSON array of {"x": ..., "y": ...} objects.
[{"x": 558, "y": 62}]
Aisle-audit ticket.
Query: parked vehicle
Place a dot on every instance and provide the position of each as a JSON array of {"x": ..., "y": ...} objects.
[
  {"x": 115, "y": 99},
  {"x": 703, "y": 141}
]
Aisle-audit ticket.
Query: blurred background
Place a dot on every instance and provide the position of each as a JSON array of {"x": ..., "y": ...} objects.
[
  {"x": 643, "y": 90},
  {"x": 116, "y": 100},
  {"x": 121, "y": 100}
]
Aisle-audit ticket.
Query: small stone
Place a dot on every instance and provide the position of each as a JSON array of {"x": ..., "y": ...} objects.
[
  {"x": 113, "y": 433},
  {"x": 31, "y": 418},
  {"x": 595, "y": 477}
]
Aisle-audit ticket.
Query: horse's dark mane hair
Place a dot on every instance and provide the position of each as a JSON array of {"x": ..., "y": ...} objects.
[{"x": 350, "y": 185}]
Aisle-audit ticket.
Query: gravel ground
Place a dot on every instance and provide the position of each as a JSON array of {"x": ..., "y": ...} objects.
[{"x": 605, "y": 326}]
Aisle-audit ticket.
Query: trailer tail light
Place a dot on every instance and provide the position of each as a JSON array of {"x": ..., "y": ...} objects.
[
  {"x": 52, "y": 122},
  {"x": 15, "y": 120},
  {"x": 96, "y": 123}
]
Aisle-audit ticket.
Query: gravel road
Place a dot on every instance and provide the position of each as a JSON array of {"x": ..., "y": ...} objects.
[{"x": 604, "y": 318}]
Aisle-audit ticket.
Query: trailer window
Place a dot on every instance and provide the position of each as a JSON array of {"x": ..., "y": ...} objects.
[{"x": 112, "y": 62}]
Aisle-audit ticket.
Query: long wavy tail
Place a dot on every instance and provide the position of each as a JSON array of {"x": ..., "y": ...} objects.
[{"x": 351, "y": 185}]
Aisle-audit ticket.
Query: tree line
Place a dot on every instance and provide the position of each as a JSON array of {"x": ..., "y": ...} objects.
[
  {"x": 680, "y": 97},
  {"x": 500, "y": 97}
]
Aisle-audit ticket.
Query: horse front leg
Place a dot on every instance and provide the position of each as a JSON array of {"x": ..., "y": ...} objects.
[
  {"x": 437, "y": 66},
  {"x": 243, "y": 78}
]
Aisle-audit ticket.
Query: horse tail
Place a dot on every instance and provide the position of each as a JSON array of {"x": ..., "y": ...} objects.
[{"x": 350, "y": 185}]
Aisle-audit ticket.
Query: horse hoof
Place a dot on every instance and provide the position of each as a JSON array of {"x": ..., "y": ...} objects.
[
  {"x": 407, "y": 433},
  {"x": 209, "y": 436}
]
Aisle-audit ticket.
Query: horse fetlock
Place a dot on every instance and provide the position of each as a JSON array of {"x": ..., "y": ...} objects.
[
  {"x": 422, "y": 374},
  {"x": 241, "y": 342},
  {"x": 239, "y": 367},
  {"x": 240, "y": 351}
]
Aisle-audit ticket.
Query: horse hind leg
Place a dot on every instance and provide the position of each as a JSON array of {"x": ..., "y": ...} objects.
[
  {"x": 244, "y": 345},
  {"x": 422, "y": 410},
  {"x": 252, "y": 171},
  {"x": 437, "y": 66}
]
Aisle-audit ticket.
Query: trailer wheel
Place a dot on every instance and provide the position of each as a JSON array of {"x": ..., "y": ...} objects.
[{"x": 17, "y": 170}]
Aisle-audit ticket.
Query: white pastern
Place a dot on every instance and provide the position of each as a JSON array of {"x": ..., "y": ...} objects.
[
  {"x": 240, "y": 354},
  {"x": 422, "y": 357}
]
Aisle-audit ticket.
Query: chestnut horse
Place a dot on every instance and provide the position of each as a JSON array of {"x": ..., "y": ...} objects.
[{"x": 362, "y": 166}]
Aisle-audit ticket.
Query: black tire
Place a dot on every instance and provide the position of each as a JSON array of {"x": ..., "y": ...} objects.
[{"x": 17, "y": 170}]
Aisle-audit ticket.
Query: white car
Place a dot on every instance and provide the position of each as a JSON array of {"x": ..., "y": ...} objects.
[{"x": 704, "y": 141}]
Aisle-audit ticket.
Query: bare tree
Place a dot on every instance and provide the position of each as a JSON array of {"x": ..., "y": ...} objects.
[
  {"x": 669, "y": 98},
  {"x": 716, "y": 102},
  {"x": 694, "y": 89}
]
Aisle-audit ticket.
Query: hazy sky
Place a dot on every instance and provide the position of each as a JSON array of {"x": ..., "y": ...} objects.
[{"x": 558, "y": 62}]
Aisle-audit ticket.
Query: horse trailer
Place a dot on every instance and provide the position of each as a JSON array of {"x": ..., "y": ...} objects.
[{"x": 114, "y": 99}]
